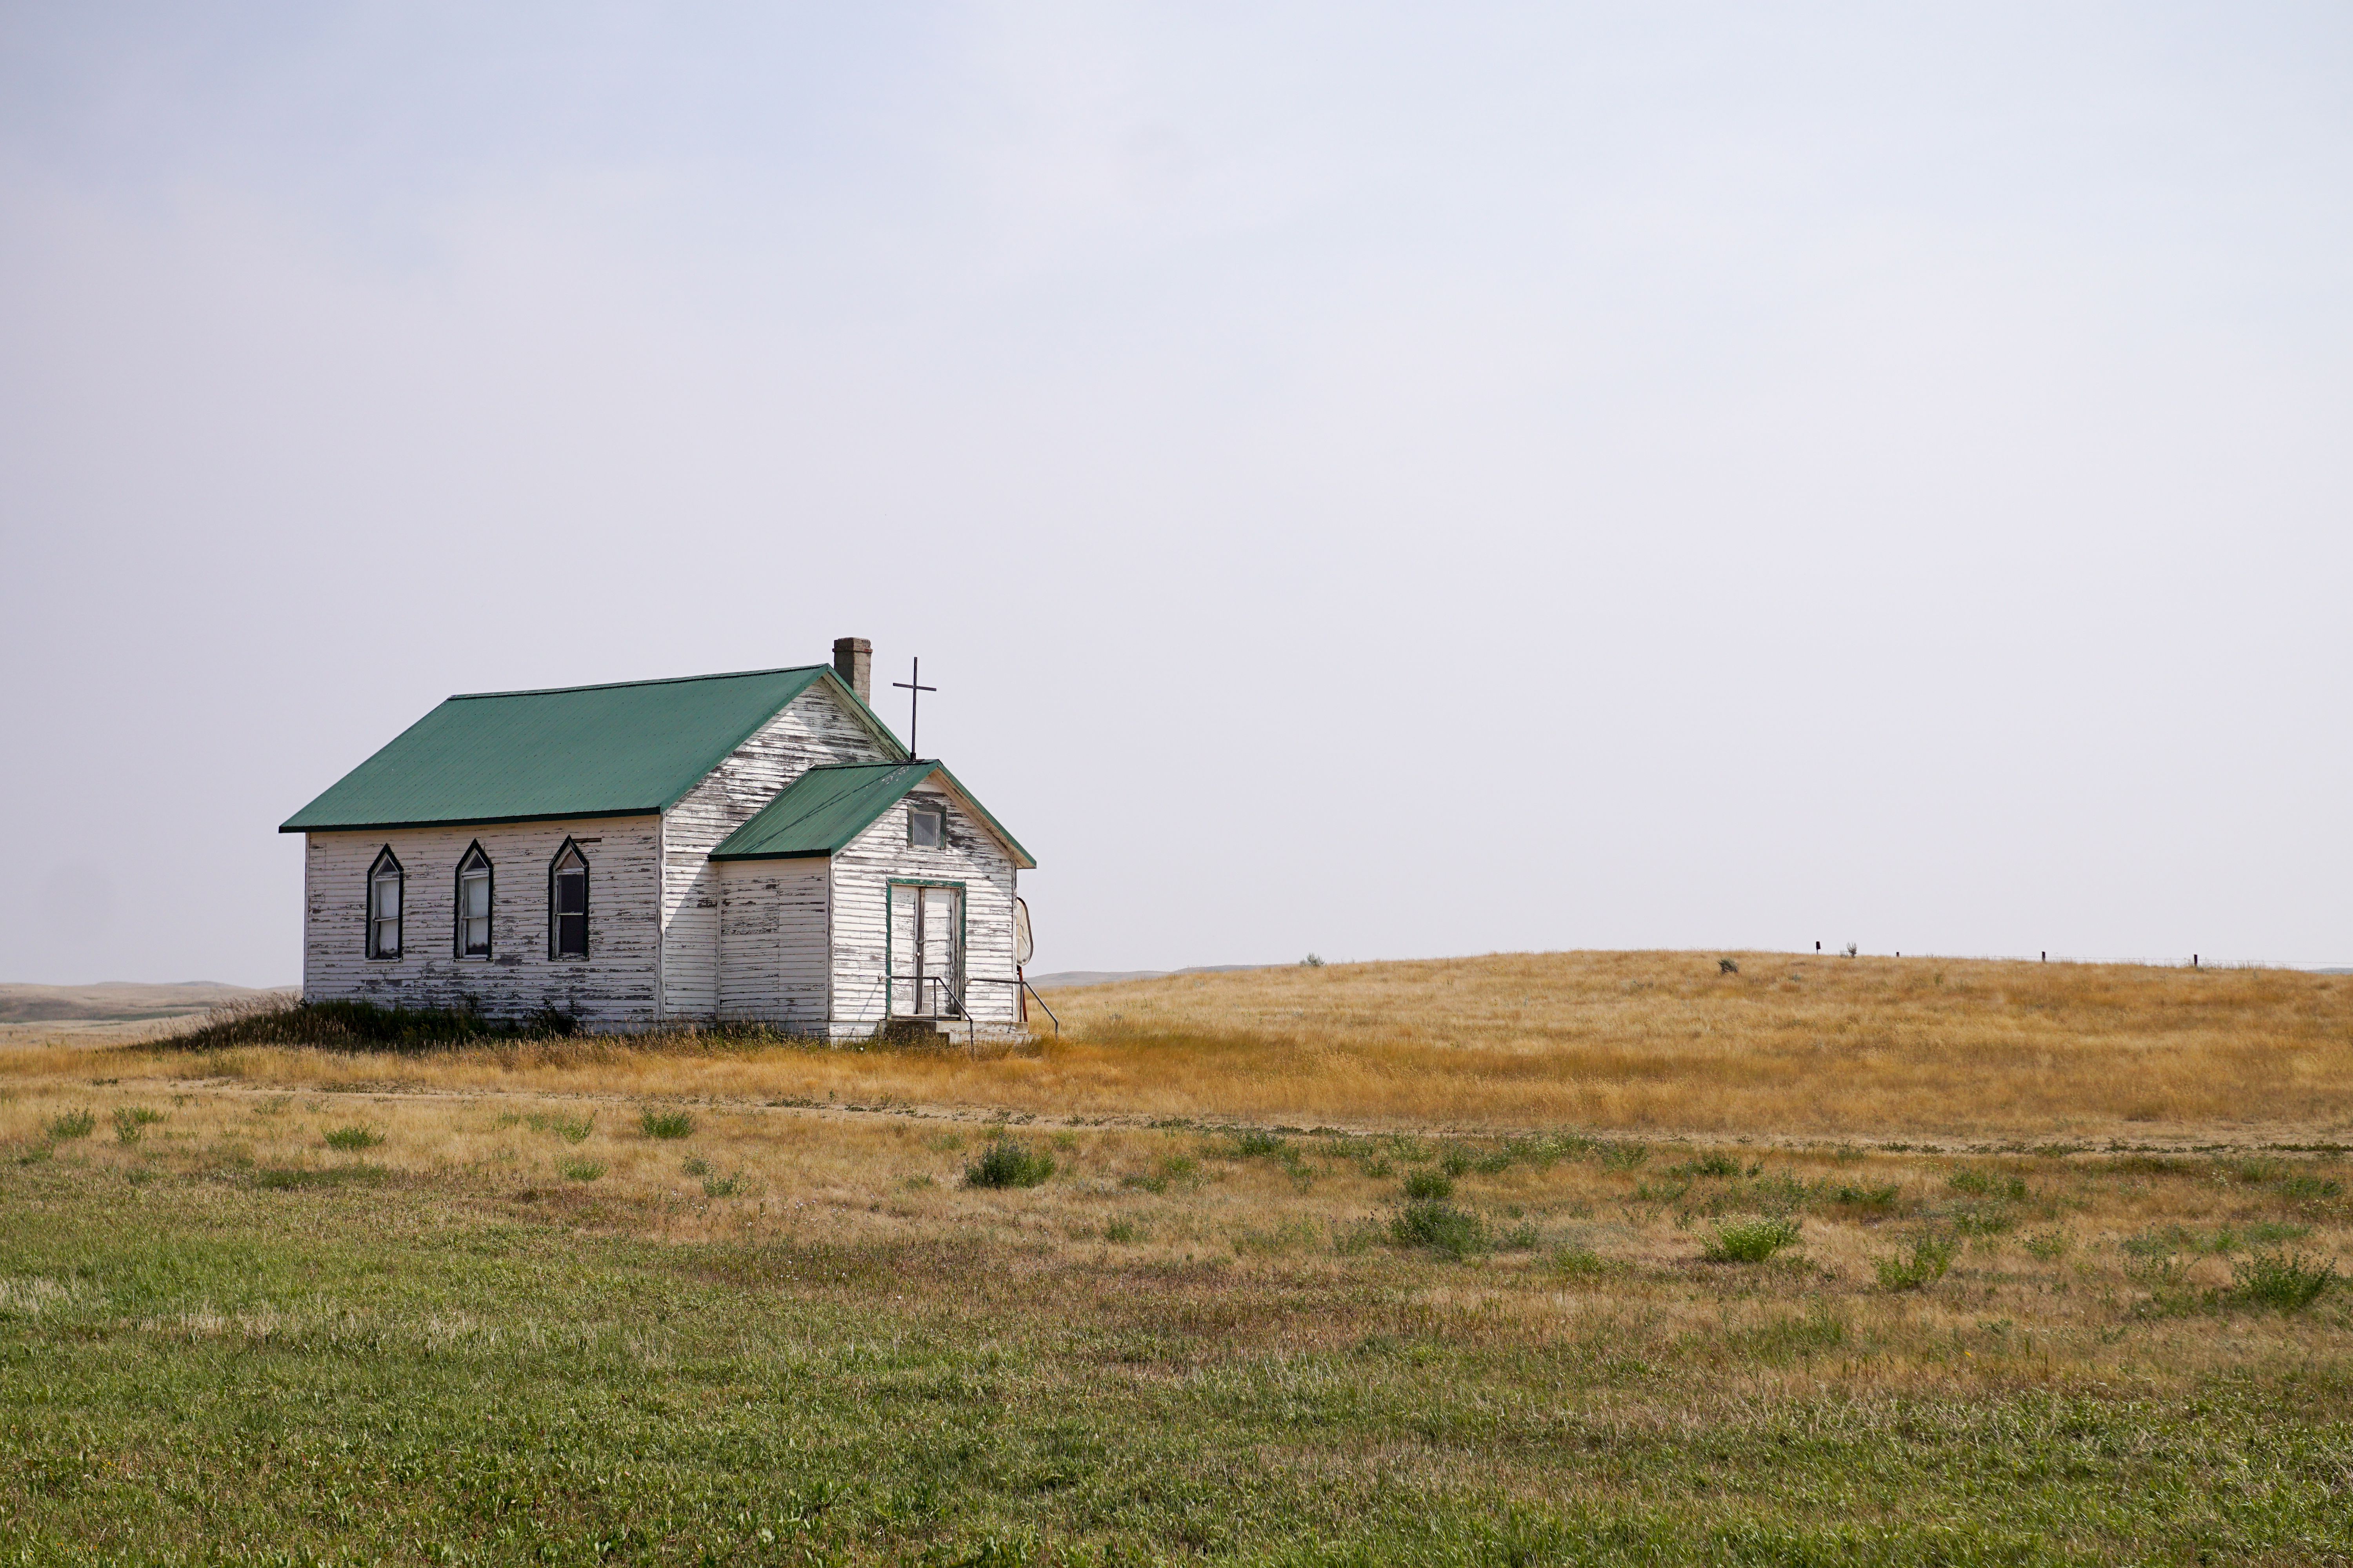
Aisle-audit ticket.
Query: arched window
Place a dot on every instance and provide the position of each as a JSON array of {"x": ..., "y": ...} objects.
[
  {"x": 474, "y": 903},
  {"x": 567, "y": 904},
  {"x": 384, "y": 884}
]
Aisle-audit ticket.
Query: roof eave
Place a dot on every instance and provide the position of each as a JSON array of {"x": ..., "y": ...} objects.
[{"x": 294, "y": 825}]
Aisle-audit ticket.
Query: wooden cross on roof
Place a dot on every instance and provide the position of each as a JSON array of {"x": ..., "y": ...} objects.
[{"x": 915, "y": 687}]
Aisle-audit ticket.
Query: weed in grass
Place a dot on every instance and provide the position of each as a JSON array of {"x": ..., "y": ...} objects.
[
  {"x": 74, "y": 1124},
  {"x": 1751, "y": 1240},
  {"x": 944, "y": 1142},
  {"x": 1436, "y": 1225},
  {"x": 2050, "y": 1247},
  {"x": 2308, "y": 1189},
  {"x": 1454, "y": 1159},
  {"x": 1250, "y": 1144},
  {"x": 921, "y": 1182},
  {"x": 132, "y": 1123},
  {"x": 1008, "y": 1163},
  {"x": 1521, "y": 1238},
  {"x": 1428, "y": 1185},
  {"x": 351, "y": 1140},
  {"x": 723, "y": 1187},
  {"x": 1721, "y": 1165},
  {"x": 1926, "y": 1262},
  {"x": 571, "y": 1130},
  {"x": 1624, "y": 1156},
  {"x": 665, "y": 1123},
  {"x": 1984, "y": 1184},
  {"x": 1875, "y": 1200},
  {"x": 1122, "y": 1231},
  {"x": 581, "y": 1170},
  {"x": 2281, "y": 1281},
  {"x": 1581, "y": 1263},
  {"x": 695, "y": 1165}
]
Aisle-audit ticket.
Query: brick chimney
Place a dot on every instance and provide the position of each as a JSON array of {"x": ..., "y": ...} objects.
[{"x": 853, "y": 661}]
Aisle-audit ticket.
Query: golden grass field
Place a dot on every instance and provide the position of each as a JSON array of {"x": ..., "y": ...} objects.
[
  {"x": 2102, "y": 1150},
  {"x": 1659, "y": 1043}
]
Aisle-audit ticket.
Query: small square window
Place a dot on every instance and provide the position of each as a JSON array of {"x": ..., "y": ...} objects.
[{"x": 928, "y": 827}]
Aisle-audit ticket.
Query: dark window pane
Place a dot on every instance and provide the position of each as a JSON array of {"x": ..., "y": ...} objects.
[
  {"x": 571, "y": 936},
  {"x": 571, "y": 894}
]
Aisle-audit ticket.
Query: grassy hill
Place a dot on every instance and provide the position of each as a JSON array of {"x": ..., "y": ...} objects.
[{"x": 1561, "y": 1259}]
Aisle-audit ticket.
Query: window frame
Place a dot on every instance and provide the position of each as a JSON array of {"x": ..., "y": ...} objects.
[
  {"x": 569, "y": 849},
  {"x": 489, "y": 872},
  {"x": 375, "y": 874},
  {"x": 934, "y": 808}
]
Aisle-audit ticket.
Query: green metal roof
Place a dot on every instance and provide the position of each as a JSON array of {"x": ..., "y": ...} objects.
[
  {"x": 628, "y": 750},
  {"x": 821, "y": 811}
]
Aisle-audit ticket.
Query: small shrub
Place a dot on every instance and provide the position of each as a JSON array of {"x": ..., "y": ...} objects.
[
  {"x": 353, "y": 1139},
  {"x": 1707, "y": 1165},
  {"x": 569, "y": 1130},
  {"x": 581, "y": 1170},
  {"x": 1122, "y": 1231},
  {"x": 722, "y": 1186},
  {"x": 74, "y": 1124},
  {"x": 1750, "y": 1240},
  {"x": 1456, "y": 1161},
  {"x": 2308, "y": 1189},
  {"x": 695, "y": 1165},
  {"x": 2283, "y": 1281},
  {"x": 1250, "y": 1144},
  {"x": 1521, "y": 1238},
  {"x": 1436, "y": 1225},
  {"x": 1008, "y": 1163},
  {"x": 1624, "y": 1156},
  {"x": 665, "y": 1123},
  {"x": 1311, "y": 961},
  {"x": 1727, "y": 966},
  {"x": 2050, "y": 1247},
  {"x": 1579, "y": 1263},
  {"x": 1923, "y": 1266},
  {"x": 132, "y": 1123},
  {"x": 1423, "y": 1185}
]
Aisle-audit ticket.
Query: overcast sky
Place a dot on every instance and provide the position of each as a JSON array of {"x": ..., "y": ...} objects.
[{"x": 1383, "y": 480}]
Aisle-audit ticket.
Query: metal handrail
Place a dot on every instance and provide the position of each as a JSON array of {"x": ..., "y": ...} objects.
[
  {"x": 971, "y": 1031},
  {"x": 999, "y": 979}
]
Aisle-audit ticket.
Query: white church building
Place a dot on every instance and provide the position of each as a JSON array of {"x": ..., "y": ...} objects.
[{"x": 757, "y": 848}]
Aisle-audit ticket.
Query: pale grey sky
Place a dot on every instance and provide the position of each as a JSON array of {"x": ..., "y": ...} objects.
[{"x": 1379, "y": 479}]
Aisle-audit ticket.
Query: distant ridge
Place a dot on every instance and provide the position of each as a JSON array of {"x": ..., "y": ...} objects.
[{"x": 1065, "y": 978}]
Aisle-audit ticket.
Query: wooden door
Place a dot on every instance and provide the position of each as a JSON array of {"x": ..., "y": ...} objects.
[
  {"x": 926, "y": 952},
  {"x": 941, "y": 952}
]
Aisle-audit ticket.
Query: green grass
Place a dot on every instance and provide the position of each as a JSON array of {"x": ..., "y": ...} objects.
[
  {"x": 232, "y": 1372},
  {"x": 580, "y": 1170},
  {"x": 132, "y": 1121},
  {"x": 351, "y": 1140},
  {"x": 1007, "y": 1161},
  {"x": 655, "y": 1124}
]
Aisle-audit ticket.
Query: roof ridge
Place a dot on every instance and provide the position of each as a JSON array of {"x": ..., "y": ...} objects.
[{"x": 618, "y": 685}]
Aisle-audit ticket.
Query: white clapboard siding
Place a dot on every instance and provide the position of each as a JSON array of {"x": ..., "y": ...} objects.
[
  {"x": 861, "y": 874},
  {"x": 612, "y": 987},
  {"x": 815, "y": 727},
  {"x": 773, "y": 943}
]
